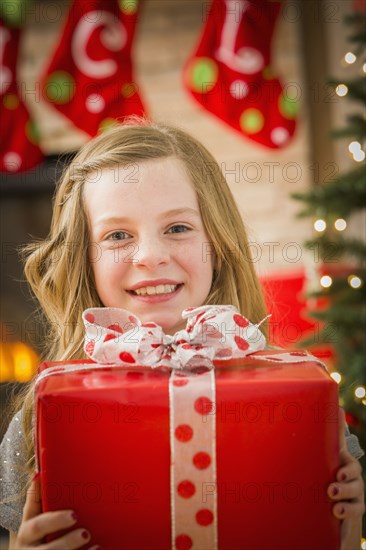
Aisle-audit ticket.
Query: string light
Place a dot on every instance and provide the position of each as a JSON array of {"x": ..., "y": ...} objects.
[
  {"x": 364, "y": 70},
  {"x": 336, "y": 376},
  {"x": 354, "y": 281},
  {"x": 341, "y": 90},
  {"x": 340, "y": 224},
  {"x": 326, "y": 281},
  {"x": 363, "y": 544},
  {"x": 359, "y": 156},
  {"x": 350, "y": 58},
  {"x": 360, "y": 392},
  {"x": 320, "y": 225},
  {"x": 354, "y": 146}
]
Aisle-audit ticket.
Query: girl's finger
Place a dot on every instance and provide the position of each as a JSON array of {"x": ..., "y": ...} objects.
[
  {"x": 351, "y": 490},
  {"x": 33, "y": 505},
  {"x": 71, "y": 541},
  {"x": 351, "y": 470},
  {"x": 346, "y": 510},
  {"x": 35, "y": 529}
]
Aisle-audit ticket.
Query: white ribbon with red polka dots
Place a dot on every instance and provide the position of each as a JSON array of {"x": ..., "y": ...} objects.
[{"x": 116, "y": 336}]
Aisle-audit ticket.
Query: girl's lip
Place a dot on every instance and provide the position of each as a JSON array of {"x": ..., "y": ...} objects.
[{"x": 156, "y": 298}]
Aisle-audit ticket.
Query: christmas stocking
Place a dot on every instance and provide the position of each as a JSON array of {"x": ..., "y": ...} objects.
[
  {"x": 230, "y": 73},
  {"x": 18, "y": 139},
  {"x": 90, "y": 76}
]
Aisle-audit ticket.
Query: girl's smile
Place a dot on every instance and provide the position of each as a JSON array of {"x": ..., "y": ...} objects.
[{"x": 151, "y": 242}]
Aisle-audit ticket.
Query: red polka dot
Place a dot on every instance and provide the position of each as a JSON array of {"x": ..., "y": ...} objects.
[
  {"x": 126, "y": 357},
  {"x": 109, "y": 337},
  {"x": 132, "y": 319},
  {"x": 240, "y": 321},
  {"x": 186, "y": 489},
  {"x": 181, "y": 342},
  {"x": 183, "y": 433},
  {"x": 199, "y": 370},
  {"x": 90, "y": 317},
  {"x": 115, "y": 327},
  {"x": 187, "y": 346},
  {"x": 241, "y": 343},
  {"x": 204, "y": 517},
  {"x": 299, "y": 353},
  {"x": 155, "y": 345},
  {"x": 89, "y": 348},
  {"x": 181, "y": 382},
  {"x": 274, "y": 359},
  {"x": 202, "y": 460},
  {"x": 203, "y": 405},
  {"x": 183, "y": 542},
  {"x": 152, "y": 325}
]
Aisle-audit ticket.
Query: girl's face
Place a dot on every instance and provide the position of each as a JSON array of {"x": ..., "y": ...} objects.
[{"x": 149, "y": 251}]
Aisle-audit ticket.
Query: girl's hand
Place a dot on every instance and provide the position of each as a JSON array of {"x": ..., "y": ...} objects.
[
  {"x": 36, "y": 525},
  {"x": 348, "y": 491}
]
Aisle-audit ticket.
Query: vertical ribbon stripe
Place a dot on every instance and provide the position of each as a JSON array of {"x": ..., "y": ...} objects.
[{"x": 193, "y": 460}]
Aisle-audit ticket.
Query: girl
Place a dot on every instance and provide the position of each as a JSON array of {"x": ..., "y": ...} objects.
[{"x": 143, "y": 220}]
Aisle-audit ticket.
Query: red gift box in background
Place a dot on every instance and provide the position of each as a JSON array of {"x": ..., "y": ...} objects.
[{"x": 103, "y": 450}]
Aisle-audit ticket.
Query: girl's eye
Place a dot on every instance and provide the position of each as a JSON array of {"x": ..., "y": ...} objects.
[
  {"x": 179, "y": 228},
  {"x": 117, "y": 236}
]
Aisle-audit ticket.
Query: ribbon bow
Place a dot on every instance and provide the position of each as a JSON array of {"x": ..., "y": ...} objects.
[{"x": 116, "y": 336}]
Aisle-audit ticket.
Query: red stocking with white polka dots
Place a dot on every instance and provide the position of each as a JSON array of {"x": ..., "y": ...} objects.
[
  {"x": 18, "y": 141},
  {"x": 90, "y": 77},
  {"x": 230, "y": 73}
]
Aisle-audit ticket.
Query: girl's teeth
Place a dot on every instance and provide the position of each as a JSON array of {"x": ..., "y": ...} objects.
[{"x": 160, "y": 289}]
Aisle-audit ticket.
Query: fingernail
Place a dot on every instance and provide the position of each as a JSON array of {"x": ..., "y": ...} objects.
[
  {"x": 343, "y": 477},
  {"x": 334, "y": 491},
  {"x": 85, "y": 534},
  {"x": 36, "y": 476},
  {"x": 74, "y": 516},
  {"x": 341, "y": 511}
]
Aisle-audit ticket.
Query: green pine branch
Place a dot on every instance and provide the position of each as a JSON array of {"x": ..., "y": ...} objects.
[
  {"x": 343, "y": 195},
  {"x": 331, "y": 250}
]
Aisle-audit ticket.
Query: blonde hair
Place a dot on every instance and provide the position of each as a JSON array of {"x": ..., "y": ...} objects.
[{"x": 57, "y": 268}]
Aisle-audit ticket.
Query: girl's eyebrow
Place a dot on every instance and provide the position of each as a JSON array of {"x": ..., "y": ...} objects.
[{"x": 123, "y": 219}]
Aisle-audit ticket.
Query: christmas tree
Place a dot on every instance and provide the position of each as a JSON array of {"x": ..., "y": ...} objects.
[{"x": 343, "y": 280}]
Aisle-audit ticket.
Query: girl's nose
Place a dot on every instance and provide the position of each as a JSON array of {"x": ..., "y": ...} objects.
[{"x": 151, "y": 253}]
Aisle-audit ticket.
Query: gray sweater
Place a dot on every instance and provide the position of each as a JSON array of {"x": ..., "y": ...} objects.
[{"x": 13, "y": 477}]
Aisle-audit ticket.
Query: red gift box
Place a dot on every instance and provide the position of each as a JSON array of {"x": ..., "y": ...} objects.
[{"x": 103, "y": 449}]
